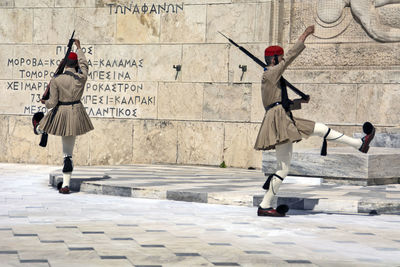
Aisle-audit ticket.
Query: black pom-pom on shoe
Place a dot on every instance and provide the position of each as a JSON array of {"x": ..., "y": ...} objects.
[
  {"x": 59, "y": 185},
  {"x": 37, "y": 117},
  {"x": 282, "y": 209},
  {"x": 368, "y": 128}
]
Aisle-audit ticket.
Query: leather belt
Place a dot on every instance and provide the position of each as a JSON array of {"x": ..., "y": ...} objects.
[
  {"x": 68, "y": 103},
  {"x": 272, "y": 105}
]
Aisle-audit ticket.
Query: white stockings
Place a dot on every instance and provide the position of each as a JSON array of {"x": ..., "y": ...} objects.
[
  {"x": 68, "y": 143},
  {"x": 283, "y": 157},
  {"x": 321, "y": 130}
]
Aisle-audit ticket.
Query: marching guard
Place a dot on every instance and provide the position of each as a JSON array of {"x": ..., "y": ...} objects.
[
  {"x": 67, "y": 117},
  {"x": 280, "y": 129}
]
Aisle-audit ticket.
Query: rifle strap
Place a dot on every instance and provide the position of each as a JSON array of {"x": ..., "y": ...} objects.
[
  {"x": 292, "y": 87},
  {"x": 284, "y": 96},
  {"x": 297, "y": 91}
]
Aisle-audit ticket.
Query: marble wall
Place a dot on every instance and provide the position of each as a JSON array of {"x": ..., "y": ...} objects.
[{"x": 145, "y": 111}]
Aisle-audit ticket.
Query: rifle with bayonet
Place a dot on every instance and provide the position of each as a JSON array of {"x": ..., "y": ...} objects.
[
  {"x": 264, "y": 66},
  {"x": 61, "y": 66}
]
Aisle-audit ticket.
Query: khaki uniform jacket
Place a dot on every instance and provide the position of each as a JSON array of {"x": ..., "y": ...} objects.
[
  {"x": 277, "y": 127},
  {"x": 67, "y": 120}
]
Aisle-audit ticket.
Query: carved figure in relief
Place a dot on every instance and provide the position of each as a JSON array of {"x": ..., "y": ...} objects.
[
  {"x": 67, "y": 117},
  {"x": 330, "y": 12},
  {"x": 280, "y": 129}
]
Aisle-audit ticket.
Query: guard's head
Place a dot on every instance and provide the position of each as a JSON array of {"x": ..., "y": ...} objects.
[
  {"x": 72, "y": 60},
  {"x": 273, "y": 54}
]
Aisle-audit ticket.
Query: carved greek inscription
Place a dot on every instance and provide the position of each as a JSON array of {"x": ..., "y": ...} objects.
[
  {"x": 110, "y": 91},
  {"x": 144, "y": 8}
]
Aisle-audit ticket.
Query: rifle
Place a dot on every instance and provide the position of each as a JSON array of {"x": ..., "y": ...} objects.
[
  {"x": 60, "y": 68},
  {"x": 264, "y": 66}
]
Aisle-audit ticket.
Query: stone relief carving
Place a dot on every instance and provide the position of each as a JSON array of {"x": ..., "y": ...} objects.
[{"x": 337, "y": 15}]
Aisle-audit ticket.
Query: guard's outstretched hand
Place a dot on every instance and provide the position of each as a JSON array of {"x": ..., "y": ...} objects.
[
  {"x": 77, "y": 43},
  {"x": 310, "y": 30}
]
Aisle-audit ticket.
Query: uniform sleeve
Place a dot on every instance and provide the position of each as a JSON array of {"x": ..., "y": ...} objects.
[
  {"x": 274, "y": 73},
  {"x": 83, "y": 65},
  {"x": 53, "y": 100}
]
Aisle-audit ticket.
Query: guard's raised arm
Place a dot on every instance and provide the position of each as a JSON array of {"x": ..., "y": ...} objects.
[{"x": 310, "y": 30}]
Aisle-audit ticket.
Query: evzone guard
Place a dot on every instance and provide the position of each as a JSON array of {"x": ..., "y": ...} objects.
[
  {"x": 67, "y": 117},
  {"x": 280, "y": 129}
]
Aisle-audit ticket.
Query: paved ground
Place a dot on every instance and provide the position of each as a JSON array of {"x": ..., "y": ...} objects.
[
  {"x": 39, "y": 227},
  {"x": 233, "y": 187}
]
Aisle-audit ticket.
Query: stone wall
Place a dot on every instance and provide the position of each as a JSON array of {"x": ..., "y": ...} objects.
[{"x": 144, "y": 111}]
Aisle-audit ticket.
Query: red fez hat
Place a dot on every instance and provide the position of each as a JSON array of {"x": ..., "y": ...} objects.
[
  {"x": 72, "y": 56},
  {"x": 274, "y": 50}
]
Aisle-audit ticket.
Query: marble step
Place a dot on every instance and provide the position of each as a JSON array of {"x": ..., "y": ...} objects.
[
  {"x": 78, "y": 178},
  {"x": 329, "y": 205},
  {"x": 343, "y": 165},
  {"x": 229, "y": 187}
]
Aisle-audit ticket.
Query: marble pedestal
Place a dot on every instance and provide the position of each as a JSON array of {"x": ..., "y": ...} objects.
[
  {"x": 75, "y": 183},
  {"x": 343, "y": 165}
]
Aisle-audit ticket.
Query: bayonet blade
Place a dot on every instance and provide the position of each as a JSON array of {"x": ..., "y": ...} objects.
[{"x": 223, "y": 35}]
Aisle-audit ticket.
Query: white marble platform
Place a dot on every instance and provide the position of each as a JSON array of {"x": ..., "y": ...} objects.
[
  {"x": 229, "y": 186},
  {"x": 343, "y": 165}
]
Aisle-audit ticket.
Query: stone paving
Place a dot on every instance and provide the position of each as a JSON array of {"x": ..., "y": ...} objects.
[
  {"x": 40, "y": 227},
  {"x": 231, "y": 186}
]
